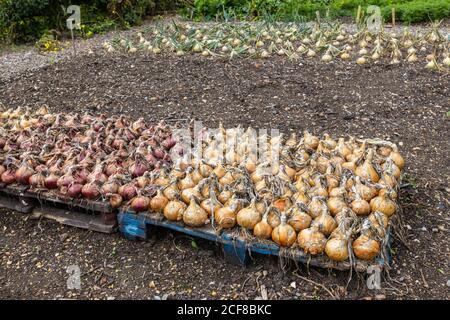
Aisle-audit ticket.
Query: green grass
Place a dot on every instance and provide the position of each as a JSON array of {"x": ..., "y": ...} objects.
[{"x": 409, "y": 11}]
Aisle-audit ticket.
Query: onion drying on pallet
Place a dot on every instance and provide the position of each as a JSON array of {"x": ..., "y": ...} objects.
[
  {"x": 317, "y": 194},
  {"x": 97, "y": 158}
]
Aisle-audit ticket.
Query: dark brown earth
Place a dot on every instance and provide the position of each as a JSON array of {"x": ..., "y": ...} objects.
[{"x": 405, "y": 104}]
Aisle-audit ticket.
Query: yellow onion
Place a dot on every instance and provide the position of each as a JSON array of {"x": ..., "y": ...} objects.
[
  {"x": 171, "y": 191},
  {"x": 273, "y": 219},
  {"x": 310, "y": 141},
  {"x": 316, "y": 207},
  {"x": 311, "y": 240},
  {"x": 379, "y": 221},
  {"x": 158, "y": 202},
  {"x": 174, "y": 210},
  {"x": 205, "y": 170},
  {"x": 227, "y": 179},
  {"x": 282, "y": 204},
  {"x": 196, "y": 176},
  {"x": 366, "y": 170},
  {"x": 186, "y": 183},
  {"x": 263, "y": 229},
  {"x": 225, "y": 217},
  {"x": 219, "y": 171},
  {"x": 248, "y": 217},
  {"x": 300, "y": 197},
  {"x": 342, "y": 149},
  {"x": 398, "y": 159},
  {"x": 325, "y": 223},
  {"x": 186, "y": 194},
  {"x": 194, "y": 215},
  {"x": 360, "y": 206},
  {"x": 284, "y": 234},
  {"x": 210, "y": 206},
  {"x": 365, "y": 192},
  {"x": 298, "y": 219},
  {"x": 336, "y": 248},
  {"x": 365, "y": 247},
  {"x": 336, "y": 204},
  {"x": 383, "y": 204},
  {"x": 225, "y": 195},
  {"x": 384, "y": 151}
]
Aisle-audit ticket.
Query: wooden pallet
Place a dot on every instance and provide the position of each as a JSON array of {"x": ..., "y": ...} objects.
[
  {"x": 91, "y": 215},
  {"x": 236, "y": 249},
  {"x": 74, "y": 219}
]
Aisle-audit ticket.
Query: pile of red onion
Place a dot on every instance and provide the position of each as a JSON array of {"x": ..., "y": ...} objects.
[{"x": 95, "y": 157}]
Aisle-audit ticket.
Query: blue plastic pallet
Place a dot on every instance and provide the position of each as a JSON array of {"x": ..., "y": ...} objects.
[{"x": 236, "y": 250}]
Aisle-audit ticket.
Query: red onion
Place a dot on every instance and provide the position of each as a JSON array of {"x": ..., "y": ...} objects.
[
  {"x": 109, "y": 187},
  {"x": 8, "y": 176},
  {"x": 138, "y": 168},
  {"x": 128, "y": 191},
  {"x": 91, "y": 190},
  {"x": 158, "y": 153},
  {"x": 74, "y": 189},
  {"x": 23, "y": 174},
  {"x": 37, "y": 180},
  {"x": 51, "y": 181},
  {"x": 140, "y": 203},
  {"x": 169, "y": 143},
  {"x": 65, "y": 180}
]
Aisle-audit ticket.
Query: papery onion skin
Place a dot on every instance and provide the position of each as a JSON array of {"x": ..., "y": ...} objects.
[
  {"x": 248, "y": 217},
  {"x": 23, "y": 174},
  {"x": 158, "y": 202},
  {"x": 174, "y": 210},
  {"x": 194, "y": 215},
  {"x": 365, "y": 248},
  {"x": 115, "y": 200},
  {"x": 312, "y": 241},
  {"x": 225, "y": 217},
  {"x": 284, "y": 235},
  {"x": 74, "y": 190},
  {"x": 383, "y": 204},
  {"x": 262, "y": 229},
  {"x": 8, "y": 176},
  {"x": 299, "y": 220},
  {"x": 51, "y": 181},
  {"x": 337, "y": 249},
  {"x": 140, "y": 203}
]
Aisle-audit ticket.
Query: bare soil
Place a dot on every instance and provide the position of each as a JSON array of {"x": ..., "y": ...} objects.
[{"x": 404, "y": 103}]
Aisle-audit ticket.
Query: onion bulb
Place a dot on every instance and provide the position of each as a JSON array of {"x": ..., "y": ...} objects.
[
  {"x": 366, "y": 170},
  {"x": 158, "y": 202},
  {"x": 262, "y": 229},
  {"x": 140, "y": 203},
  {"x": 336, "y": 248},
  {"x": 365, "y": 247},
  {"x": 284, "y": 234},
  {"x": 194, "y": 215},
  {"x": 311, "y": 240},
  {"x": 248, "y": 217},
  {"x": 174, "y": 210},
  {"x": 298, "y": 219},
  {"x": 325, "y": 223},
  {"x": 226, "y": 216},
  {"x": 383, "y": 204}
]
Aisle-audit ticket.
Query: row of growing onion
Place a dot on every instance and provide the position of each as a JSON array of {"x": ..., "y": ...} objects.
[
  {"x": 323, "y": 195},
  {"x": 291, "y": 40}
]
